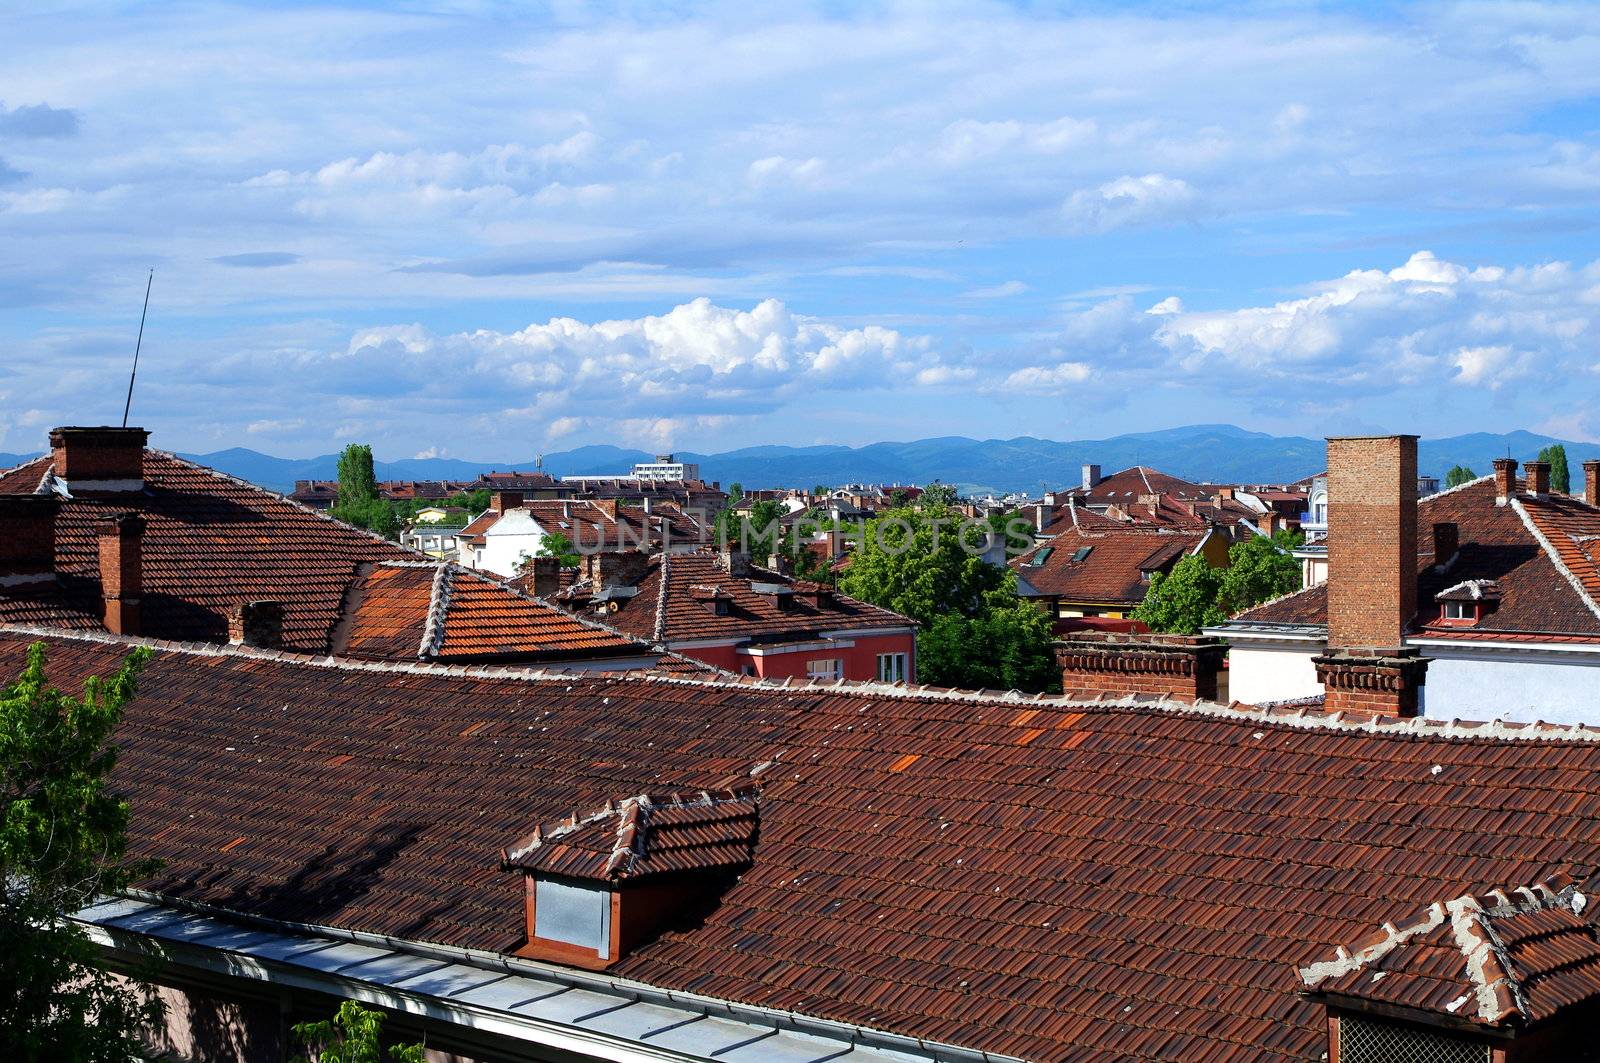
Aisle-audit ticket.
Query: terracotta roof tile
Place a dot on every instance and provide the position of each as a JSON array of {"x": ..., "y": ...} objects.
[
  {"x": 1135, "y": 880},
  {"x": 1114, "y": 568},
  {"x": 643, "y": 835}
]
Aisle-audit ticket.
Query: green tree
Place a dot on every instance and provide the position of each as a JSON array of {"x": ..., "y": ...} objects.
[
  {"x": 1184, "y": 600},
  {"x": 357, "y": 481},
  {"x": 558, "y": 545},
  {"x": 975, "y": 632},
  {"x": 1458, "y": 475},
  {"x": 1560, "y": 475},
  {"x": 353, "y": 1035},
  {"x": 63, "y": 842},
  {"x": 358, "y": 502},
  {"x": 1260, "y": 569},
  {"x": 938, "y": 494}
]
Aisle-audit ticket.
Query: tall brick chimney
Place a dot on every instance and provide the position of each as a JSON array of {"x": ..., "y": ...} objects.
[
  {"x": 102, "y": 460},
  {"x": 1591, "y": 481},
  {"x": 500, "y": 501},
  {"x": 121, "y": 572},
  {"x": 258, "y": 624},
  {"x": 27, "y": 539},
  {"x": 1538, "y": 474},
  {"x": 1505, "y": 479},
  {"x": 1372, "y": 577}
]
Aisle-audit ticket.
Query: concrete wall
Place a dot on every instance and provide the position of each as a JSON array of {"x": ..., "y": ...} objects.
[
  {"x": 514, "y": 534},
  {"x": 1270, "y": 673},
  {"x": 1521, "y": 687}
]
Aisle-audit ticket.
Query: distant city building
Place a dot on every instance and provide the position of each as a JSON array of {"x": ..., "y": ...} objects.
[{"x": 666, "y": 467}]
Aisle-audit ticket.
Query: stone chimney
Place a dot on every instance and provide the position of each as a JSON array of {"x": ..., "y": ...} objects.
[
  {"x": 102, "y": 460},
  {"x": 1446, "y": 541},
  {"x": 544, "y": 576},
  {"x": 1505, "y": 480},
  {"x": 618, "y": 568},
  {"x": 735, "y": 563},
  {"x": 258, "y": 624},
  {"x": 1091, "y": 477},
  {"x": 1043, "y": 514},
  {"x": 1538, "y": 478},
  {"x": 1372, "y": 581},
  {"x": 121, "y": 572},
  {"x": 1591, "y": 482},
  {"x": 500, "y": 501},
  {"x": 27, "y": 539}
]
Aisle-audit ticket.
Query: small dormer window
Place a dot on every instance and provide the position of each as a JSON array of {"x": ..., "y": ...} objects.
[{"x": 1459, "y": 611}]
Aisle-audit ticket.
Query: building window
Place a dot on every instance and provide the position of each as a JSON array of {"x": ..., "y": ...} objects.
[
  {"x": 573, "y": 915},
  {"x": 832, "y": 668},
  {"x": 1459, "y": 611},
  {"x": 891, "y": 668},
  {"x": 1363, "y": 1040}
]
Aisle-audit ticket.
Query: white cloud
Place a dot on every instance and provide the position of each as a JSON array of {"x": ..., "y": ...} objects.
[
  {"x": 1127, "y": 201},
  {"x": 997, "y": 291},
  {"x": 1048, "y": 379}
]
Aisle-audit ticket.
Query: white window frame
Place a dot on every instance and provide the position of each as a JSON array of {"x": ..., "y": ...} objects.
[
  {"x": 892, "y": 667},
  {"x": 825, "y": 668}
]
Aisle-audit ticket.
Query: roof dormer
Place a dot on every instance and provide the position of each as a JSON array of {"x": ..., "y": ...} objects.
[{"x": 600, "y": 884}]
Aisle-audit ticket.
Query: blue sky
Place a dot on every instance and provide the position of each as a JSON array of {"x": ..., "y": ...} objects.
[{"x": 486, "y": 230}]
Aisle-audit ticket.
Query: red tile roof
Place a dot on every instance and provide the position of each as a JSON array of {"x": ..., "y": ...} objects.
[
  {"x": 1042, "y": 878},
  {"x": 1112, "y": 571},
  {"x": 1542, "y": 590},
  {"x": 643, "y": 835},
  {"x": 212, "y": 541},
  {"x": 439, "y": 611},
  {"x": 694, "y": 580},
  {"x": 1514, "y": 955}
]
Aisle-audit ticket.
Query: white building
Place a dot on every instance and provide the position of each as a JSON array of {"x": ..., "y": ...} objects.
[
  {"x": 1507, "y": 607},
  {"x": 666, "y": 468}
]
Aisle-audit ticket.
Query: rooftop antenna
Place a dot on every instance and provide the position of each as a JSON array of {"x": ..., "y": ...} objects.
[{"x": 126, "y": 406}]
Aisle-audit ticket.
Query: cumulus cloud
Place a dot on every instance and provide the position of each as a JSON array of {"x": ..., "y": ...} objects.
[
  {"x": 1048, "y": 379},
  {"x": 1127, "y": 201},
  {"x": 37, "y": 120}
]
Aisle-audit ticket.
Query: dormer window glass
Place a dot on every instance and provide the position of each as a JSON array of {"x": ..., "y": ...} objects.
[{"x": 1459, "y": 611}]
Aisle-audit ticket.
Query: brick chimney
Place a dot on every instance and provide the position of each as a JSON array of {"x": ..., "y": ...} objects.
[
  {"x": 1372, "y": 577},
  {"x": 500, "y": 501},
  {"x": 102, "y": 460},
  {"x": 618, "y": 568},
  {"x": 258, "y": 624},
  {"x": 1505, "y": 479},
  {"x": 121, "y": 572},
  {"x": 27, "y": 539},
  {"x": 734, "y": 562},
  {"x": 1538, "y": 478},
  {"x": 544, "y": 576},
  {"x": 1446, "y": 541},
  {"x": 1181, "y": 667},
  {"x": 1591, "y": 482}
]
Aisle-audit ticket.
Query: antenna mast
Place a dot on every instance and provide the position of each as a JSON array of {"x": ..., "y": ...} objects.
[{"x": 126, "y": 406}]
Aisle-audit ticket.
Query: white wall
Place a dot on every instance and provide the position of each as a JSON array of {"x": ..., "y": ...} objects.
[
  {"x": 1258, "y": 673},
  {"x": 514, "y": 534},
  {"x": 1512, "y": 685}
]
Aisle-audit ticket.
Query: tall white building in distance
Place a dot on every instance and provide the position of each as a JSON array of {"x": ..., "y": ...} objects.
[{"x": 666, "y": 468}]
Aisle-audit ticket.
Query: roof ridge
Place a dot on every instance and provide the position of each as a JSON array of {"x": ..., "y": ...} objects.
[
  {"x": 1458, "y": 487},
  {"x": 1296, "y": 717},
  {"x": 659, "y": 631},
  {"x": 1555, "y": 556},
  {"x": 438, "y": 608}
]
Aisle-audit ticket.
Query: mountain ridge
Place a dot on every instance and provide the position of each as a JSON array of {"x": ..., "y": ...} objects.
[{"x": 1206, "y": 452}]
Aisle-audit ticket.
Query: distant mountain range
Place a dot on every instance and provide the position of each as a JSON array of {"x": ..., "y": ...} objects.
[{"x": 1210, "y": 452}]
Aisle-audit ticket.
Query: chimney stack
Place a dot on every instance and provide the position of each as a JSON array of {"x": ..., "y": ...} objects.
[
  {"x": 735, "y": 563},
  {"x": 27, "y": 539},
  {"x": 258, "y": 624},
  {"x": 545, "y": 573},
  {"x": 103, "y": 460},
  {"x": 121, "y": 572},
  {"x": 1372, "y": 581},
  {"x": 1446, "y": 541},
  {"x": 1043, "y": 514},
  {"x": 500, "y": 501},
  {"x": 1591, "y": 482},
  {"x": 1505, "y": 479},
  {"x": 1538, "y": 474},
  {"x": 1091, "y": 477}
]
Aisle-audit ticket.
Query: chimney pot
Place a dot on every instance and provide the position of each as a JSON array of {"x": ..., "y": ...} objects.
[
  {"x": 1446, "y": 541},
  {"x": 27, "y": 538},
  {"x": 1591, "y": 482},
  {"x": 99, "y": 459},
  {"x": 1505, "y": 479},
  {"x": 258, "y": 624},
  {"x": 1538, "y": 478},
  {"x": 121, "y": 572}
]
